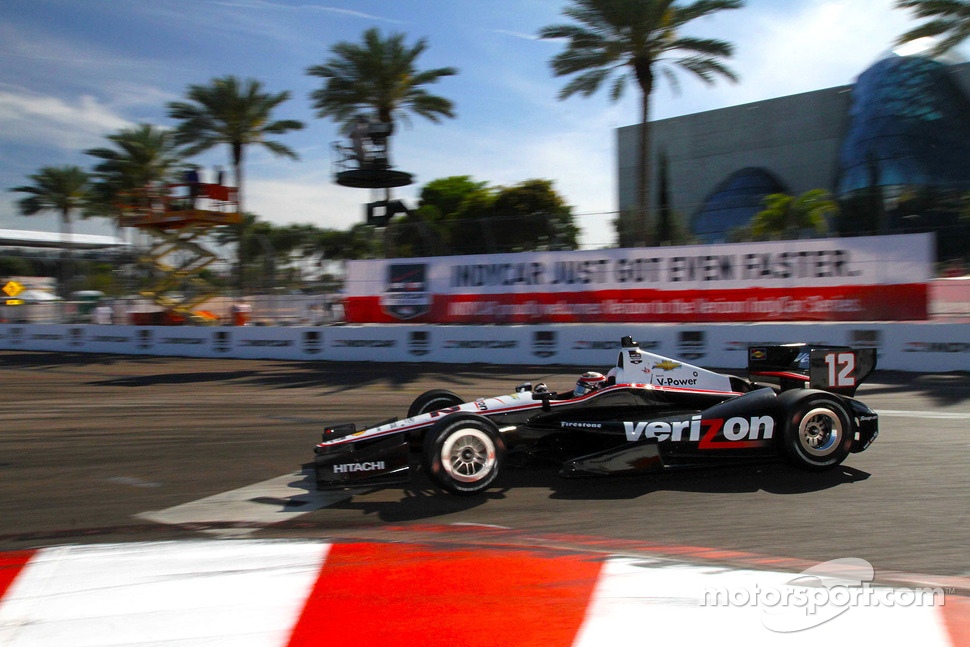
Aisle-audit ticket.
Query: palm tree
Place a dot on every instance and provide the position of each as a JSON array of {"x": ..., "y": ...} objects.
[
  {"x": 143, "y": 155},
  {"x": 632, "y": 39},
  {"x": 949, "y": 21},
  {"x": 378, "y": 77},
  {"x": 786, "y": 216},
  {"x": 233, "y": 112},
  {"x": 63, "y": 189}
]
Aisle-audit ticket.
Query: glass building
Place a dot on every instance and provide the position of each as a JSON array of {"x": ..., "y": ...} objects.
[
  {"x": 733, "y": 203},
  {"x": 893, "y": 149},
  {"x": 904, "y": 165}
]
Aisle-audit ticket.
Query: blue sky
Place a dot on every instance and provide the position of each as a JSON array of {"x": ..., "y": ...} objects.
[{"x": 74, "y": 71}]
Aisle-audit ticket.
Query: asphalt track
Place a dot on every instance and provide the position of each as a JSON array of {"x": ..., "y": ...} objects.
[{"x": 98, "y": 449}]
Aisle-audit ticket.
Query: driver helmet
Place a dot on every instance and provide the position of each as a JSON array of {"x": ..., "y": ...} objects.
[{"x": 588, "y": 381}]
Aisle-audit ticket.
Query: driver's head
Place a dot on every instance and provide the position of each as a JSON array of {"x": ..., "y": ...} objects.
[{"x": 588, "y": 381}]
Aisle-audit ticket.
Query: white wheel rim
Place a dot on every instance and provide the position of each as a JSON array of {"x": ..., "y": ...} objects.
[
  {"x": 820, "y": 432},
  {"x": 468, "y": 455}
]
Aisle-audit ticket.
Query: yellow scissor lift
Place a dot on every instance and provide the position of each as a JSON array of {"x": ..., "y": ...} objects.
[{"x": 178, "y": 216}]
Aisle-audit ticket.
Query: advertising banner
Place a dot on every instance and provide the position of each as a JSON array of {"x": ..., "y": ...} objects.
[
  {"x": 911, "y": 347},
  {"x": 841, "y": 279}
]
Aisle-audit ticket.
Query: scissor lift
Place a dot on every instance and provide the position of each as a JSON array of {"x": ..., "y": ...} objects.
[{"x": 178, "y": 216}]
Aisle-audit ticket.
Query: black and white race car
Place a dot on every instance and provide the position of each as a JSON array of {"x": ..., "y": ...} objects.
[{"x": 649, "y": 413}]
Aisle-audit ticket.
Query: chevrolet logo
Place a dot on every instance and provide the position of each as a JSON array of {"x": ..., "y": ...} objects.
[{"x": 667, "y": 365}]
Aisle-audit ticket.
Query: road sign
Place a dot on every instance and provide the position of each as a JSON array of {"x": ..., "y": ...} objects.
[{"x": 12, "y": 288}]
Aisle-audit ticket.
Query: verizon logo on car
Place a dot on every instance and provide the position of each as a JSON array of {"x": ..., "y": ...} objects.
[
  {"x": 734, "y": 432},
  {"x": 346, "y": 468}
]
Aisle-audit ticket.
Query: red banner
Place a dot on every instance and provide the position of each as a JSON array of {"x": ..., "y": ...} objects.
[{"x": 845, "y": 303}]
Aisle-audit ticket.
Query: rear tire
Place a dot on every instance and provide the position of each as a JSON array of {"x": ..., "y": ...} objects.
[
  {"x": 463, "y": 454},
  {"x": 818, "y": 434}
]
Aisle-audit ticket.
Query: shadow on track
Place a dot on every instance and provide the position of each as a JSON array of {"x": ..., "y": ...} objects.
[{"x": 422, "y": 501}]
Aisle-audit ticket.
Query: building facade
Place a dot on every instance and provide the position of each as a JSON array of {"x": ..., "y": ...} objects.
[{"x": 893, "y": 148}]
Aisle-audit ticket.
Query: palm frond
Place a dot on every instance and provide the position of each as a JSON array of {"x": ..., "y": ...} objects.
[{"x": 378, "y": 77}]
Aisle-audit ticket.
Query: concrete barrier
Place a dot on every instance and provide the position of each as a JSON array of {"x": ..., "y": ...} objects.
[{"x": 914, "y": 347}]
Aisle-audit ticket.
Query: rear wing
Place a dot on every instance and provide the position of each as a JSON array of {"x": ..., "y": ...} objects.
[{"x": 836, "y": 369}]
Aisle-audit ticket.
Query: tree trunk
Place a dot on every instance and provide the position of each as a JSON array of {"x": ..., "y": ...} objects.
[
  {"x": 645, "y": 79},
  {"x": 237, "y": 154},
  {"x": 67, "y": 256}
]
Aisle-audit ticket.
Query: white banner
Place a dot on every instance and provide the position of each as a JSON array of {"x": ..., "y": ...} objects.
[
  {"x": 875, "y": 260},
  {"x": 917, "y": 348},
  {"x": 838, "y": 279}
]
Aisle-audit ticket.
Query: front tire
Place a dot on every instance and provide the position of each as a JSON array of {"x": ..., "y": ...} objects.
[
  {"x": 463, "y": 454},
  {"x": 432, "y": 401},
  {"x": 818, "y": 434}
]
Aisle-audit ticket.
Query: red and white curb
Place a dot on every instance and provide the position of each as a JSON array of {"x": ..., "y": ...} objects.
[{"x": 281, "y": 593}]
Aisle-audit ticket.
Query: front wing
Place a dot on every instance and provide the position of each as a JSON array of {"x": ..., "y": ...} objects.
[{"x": 377, "y": 462}]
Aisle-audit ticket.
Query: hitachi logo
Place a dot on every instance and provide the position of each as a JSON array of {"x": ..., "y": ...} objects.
[{"x": 358, "y": 467}]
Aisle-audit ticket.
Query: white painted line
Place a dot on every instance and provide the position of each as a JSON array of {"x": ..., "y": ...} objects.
[
  {"x": 260, "y": 504},
  {"x": 926, "y": 415}
]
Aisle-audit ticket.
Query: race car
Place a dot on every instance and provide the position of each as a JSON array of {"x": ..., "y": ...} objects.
[{"x": 649, "y": 413}]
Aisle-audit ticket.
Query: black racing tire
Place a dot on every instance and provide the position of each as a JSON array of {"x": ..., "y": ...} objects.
[
  {"x": 463, "y": 454},
  {"x": 432, "y": 401},
  {"x": 818, "y": 433}
]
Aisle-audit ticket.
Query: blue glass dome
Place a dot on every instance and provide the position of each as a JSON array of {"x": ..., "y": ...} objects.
[
  {"x": 733, "y": 203},
  {"x": 909, "y": 125}
]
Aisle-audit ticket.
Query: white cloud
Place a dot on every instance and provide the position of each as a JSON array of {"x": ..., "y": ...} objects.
[
  {"x": 42, "y": 120},
  {"x": 310, "y": 199},
  {"x": 792, "y": 48}
]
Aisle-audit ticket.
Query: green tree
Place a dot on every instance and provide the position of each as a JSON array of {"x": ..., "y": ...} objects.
[
  {"x": 948, "y": 21},
  {"x": 459, "y": 215},
  {"x": 357, "y": 242},
  {"x": 787, "y": 217},
  {"x": 531, "y": 216},
  {"x": 637, "y": 40},
  {"x": 449, "y": 197},
  {"x": 380, "y": 77},
  {"x": 236, "y": 113},
  {"x": 233, "y": 112},
  {"x": 64, "y": 190},
  {"x": 142, "y": 155}
]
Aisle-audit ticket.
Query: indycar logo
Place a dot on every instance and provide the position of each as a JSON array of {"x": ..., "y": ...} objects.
[
  {"x": 312, "y": 342},
  {"x": 406, "y": 295},
  {"x": 222, "y": 342},
  {"x": 346, "y": 468},
  {"x": 714, "y": 433}
]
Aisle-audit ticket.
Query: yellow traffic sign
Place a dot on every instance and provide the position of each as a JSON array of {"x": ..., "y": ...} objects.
[{"x": 12, "y": 288}]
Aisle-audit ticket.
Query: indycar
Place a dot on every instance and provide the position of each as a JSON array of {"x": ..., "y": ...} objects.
[{"x": 649, "y": 413}]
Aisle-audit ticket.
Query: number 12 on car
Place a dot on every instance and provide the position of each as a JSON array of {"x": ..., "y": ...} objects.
[{"x": 841, "y": 367}]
